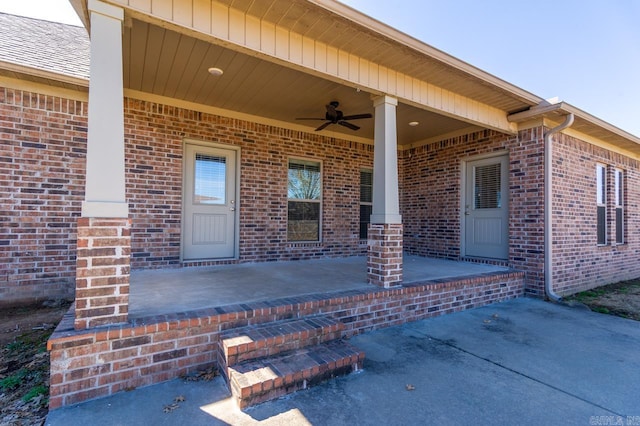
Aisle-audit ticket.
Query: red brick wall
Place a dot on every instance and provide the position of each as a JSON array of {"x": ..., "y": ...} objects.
[
  {"x": 430, "y": 194},
  {"x": 95, "y": 363},
  {"x": 526, "y": 208},
  {"x": 579, "y": 263},
  {"x": 42, "y": 175},
  {"x": 154, "y": 134},
  {"x": 42, "y": 150}
]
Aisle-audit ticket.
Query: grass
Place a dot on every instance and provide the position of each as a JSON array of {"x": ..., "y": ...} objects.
[
  {"x": 35, "y": 392},
  {"x": 621, "y": 299},
  {"x": 28, "y": 381},
  {"x": 13, "y": 381}
]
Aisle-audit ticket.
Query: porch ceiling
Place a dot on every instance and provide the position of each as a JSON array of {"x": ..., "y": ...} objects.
[{"x": 168, "y": 63}]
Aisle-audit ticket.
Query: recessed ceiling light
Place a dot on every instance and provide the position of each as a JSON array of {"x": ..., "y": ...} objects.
[
  {"x": 414, "y": 123},
  {"x": 215, "y": 71}
]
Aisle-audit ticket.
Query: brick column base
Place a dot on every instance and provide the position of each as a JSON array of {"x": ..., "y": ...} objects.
[
  {"x": 384, "y": 255},
  {"x": 102, "y": 272}
]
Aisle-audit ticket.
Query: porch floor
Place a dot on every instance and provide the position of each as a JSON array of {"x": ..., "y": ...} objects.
[{"x": 164, "y": 291}]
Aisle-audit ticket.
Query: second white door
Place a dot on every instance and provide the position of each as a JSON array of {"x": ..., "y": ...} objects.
[{"x": 486, "y": 208}]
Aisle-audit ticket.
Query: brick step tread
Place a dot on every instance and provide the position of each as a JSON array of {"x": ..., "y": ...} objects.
[
  {"x": 269, "y": 339},
  {"x": 256, "y": 381}
]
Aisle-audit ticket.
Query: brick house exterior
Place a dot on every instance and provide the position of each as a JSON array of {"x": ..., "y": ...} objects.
[
  {"x": 46, "y": 203},
  {"x": 43, "y": 164},
  {"x": 56, "y": 243}
]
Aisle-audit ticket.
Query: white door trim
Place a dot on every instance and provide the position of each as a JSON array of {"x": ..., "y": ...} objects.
[{"x": 205, "y": 144}]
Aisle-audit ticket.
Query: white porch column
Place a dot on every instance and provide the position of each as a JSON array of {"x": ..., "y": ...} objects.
[
  {"x": 105, "y": 175},
  {"x": 104, "y": 230},
  {"x": 384, "y": 248},
  {"x": 386, "y": 207}
]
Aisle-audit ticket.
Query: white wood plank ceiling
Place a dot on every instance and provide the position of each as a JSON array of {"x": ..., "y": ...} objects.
[{"x": 166, "y": 63}]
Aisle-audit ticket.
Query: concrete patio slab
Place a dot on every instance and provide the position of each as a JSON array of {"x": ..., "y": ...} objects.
[
  {"x": 163, "y": 291},
  {"x": 523, "y": 362}
]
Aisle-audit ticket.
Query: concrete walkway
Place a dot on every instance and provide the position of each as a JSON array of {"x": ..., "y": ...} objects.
[{"x": 519, "y": 362}]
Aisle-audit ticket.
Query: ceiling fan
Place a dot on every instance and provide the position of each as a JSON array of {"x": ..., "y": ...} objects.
[{"x": 334, "y": 116}]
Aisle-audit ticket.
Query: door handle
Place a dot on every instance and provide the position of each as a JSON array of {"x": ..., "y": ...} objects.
[{"x": 233, "y": 209}]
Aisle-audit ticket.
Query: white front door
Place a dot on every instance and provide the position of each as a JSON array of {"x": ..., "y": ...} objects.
[
  {"x": 209, "y": 203},
  {"x": 486, "y": 208}
]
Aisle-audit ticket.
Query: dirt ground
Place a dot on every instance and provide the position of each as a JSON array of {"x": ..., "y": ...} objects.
[
  {"x": 621, "y": 299},
  {"x": 24, "y": 360}
]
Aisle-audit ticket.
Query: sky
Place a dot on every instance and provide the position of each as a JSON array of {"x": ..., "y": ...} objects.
[{"x": 585, "y": 52}]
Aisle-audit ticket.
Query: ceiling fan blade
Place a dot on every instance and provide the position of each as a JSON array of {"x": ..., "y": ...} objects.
[
  {"x": 356, "y": 116},
  {"x": 349, "y": 125},
  {"x": 310, "y": 118},
  {"x": 322, "y": 126}
]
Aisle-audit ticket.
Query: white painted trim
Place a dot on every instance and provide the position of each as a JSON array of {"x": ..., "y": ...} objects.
[
  {"x": 105, "y": 209},
  {"x": 106, "y": 9},
  {"x": 44, "y": 74},
  {"x": 105, "y": 158},
  {"x": 539, "y": 122},
  {"x": 43, "y": 89},
  {"x": 386, "y": 198}
]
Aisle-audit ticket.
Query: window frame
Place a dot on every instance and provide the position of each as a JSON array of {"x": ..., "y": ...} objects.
[
  {"x": 601, "y": 204},
  {"x": 364, "y": 203},
  {"x": 319, "y": 200},
  {"x": 618, "y": 205}
]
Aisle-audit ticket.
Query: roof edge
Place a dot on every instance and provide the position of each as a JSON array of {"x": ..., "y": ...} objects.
[
  {"x": 37, "y": 72},
  {"x": 546, "y": 109},
  {"x": 395, "y": 35}
]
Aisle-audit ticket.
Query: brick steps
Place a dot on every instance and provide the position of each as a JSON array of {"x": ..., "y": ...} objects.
[
  {"x": 256, "y": 381},
  {"x": 265, "y": 361}
]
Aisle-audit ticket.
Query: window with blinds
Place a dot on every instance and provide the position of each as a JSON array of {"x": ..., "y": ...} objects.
[
  {"x": 210, "y": 179},
  {"x": 366, "y": 199},
  {"x": 304, "y": 205},
  {"x": 601, "y": 207},
  {"x": 487, "y": 187},
  {"x": 619, "y": 200}
]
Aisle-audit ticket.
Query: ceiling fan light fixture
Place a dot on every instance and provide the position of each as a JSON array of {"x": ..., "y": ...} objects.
[
  {"x": 335, "y": 116},
  {"x": 216, "y": 72}
]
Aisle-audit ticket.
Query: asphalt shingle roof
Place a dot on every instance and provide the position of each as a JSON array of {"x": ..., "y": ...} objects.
[{"x": 48, "y": 46}]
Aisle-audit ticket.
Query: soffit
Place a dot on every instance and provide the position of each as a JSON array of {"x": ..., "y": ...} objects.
[
  {"x": 348, "y": 30},
  {"x": 584, "y": 124},
  {"x": 168, "y": 63}
]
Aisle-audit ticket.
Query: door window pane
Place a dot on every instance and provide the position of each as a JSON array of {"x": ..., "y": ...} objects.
[
  {"x": 487, "y": 187},
  {"x": 210, "y": 179}
]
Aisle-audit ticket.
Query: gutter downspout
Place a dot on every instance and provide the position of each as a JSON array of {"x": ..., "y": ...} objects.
[{"x": 548, "y": 211}]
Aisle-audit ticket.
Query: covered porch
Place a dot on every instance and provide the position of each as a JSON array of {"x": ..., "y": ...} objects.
[
  {"x": 167, "y": 291},
  {"x": 181, "y": 318}
]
